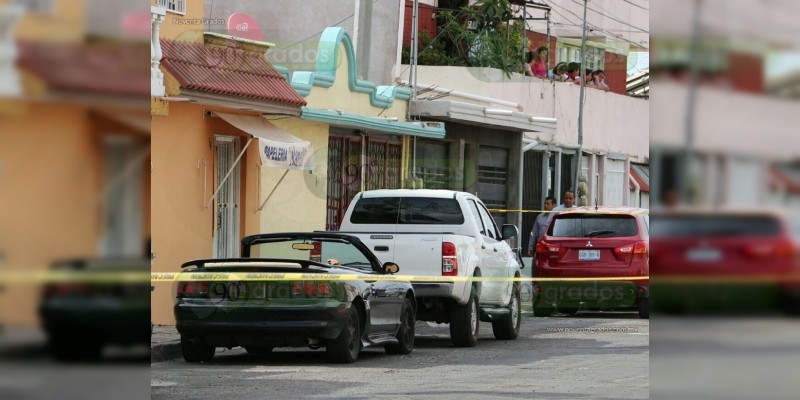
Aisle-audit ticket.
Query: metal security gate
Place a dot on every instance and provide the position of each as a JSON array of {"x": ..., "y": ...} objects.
[
  {"x": 614, "y": 186},
  {"x": 226, "y": 218},
  {"x": 432, "y": 164},
  {"x": 345, "y": 167},
  {"x": 493, "y": 179},
  {"x": 532, "y": 189}
]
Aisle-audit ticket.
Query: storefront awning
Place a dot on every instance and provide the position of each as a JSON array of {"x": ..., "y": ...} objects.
[
  {"x": 641, "y": 173},
  {"x": 277, "y": 148},
  {"x": 475, "y": 114}
]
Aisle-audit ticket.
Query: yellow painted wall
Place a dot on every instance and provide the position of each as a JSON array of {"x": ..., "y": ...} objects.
[
  {"x": 51, "y": 175},
  {"x": 298, "y": 203},
  {"x": 181, "y": 227},
  {"x": 340, "y": 97},
  {"x": 67, "y": 23}
]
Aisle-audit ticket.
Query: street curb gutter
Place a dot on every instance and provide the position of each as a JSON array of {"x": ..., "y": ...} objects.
[{"x": 165, "y": 351}]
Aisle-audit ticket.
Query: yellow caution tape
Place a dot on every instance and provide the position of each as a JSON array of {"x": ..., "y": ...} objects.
[
  {"x": 48, "y": 277},
  {"x": 501, "y": 210}
]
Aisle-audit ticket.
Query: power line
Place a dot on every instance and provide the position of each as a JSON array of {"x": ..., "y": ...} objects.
[
  {"x": 608, "y": 16},
  {"x": 636, "y": 5}
]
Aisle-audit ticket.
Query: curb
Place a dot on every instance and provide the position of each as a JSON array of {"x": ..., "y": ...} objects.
[{"x": 165, "y": 351}]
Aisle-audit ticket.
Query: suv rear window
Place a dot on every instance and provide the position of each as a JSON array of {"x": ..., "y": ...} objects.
[
  {"x": 407, "y": 210},
  {"x": 593, "y": 225},
  {"x": 714, "y": 225}
]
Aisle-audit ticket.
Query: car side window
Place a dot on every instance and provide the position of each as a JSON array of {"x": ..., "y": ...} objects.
[
  {"x": 491, "y": 228},
  {"x": 477, "y": 215}
]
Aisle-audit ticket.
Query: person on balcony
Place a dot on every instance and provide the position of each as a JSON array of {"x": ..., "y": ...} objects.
[
  {"x": 560, "y": 72},
  {"x": 539, "y": 66},
  {"x": 598, "y": 81}
]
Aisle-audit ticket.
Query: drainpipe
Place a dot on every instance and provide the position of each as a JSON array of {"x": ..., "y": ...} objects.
[{"x": 636, "y": 189}]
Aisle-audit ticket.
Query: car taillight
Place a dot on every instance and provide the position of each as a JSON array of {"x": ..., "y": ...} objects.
[
  {"x": 297, "y": 288},
  {"x": 638, "y": 250},
  {"x": 193, "y": 289},
  {"x": 771, "y": 250},
  {"x": 66, "y": 289},
  {"x": 323, "y": 289},
  {"x": 449, "y": 259},
  {"x": 549, "y": 249}
]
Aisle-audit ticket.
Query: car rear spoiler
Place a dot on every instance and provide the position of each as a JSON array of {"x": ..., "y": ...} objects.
[{"x": 255, "y": 261}]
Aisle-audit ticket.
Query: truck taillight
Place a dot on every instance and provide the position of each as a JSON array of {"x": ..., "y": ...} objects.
[
  {"x": 449, "y": 259},
  {"x": 316, "y": 252}
]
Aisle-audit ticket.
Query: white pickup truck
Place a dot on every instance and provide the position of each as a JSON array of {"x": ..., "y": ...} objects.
[{"x": 445, "y": 233}]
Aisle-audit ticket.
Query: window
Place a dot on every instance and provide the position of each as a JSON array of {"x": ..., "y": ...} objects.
[
  {"x": 36, "y": 6},
  {"x": 477, "y": 215},
  {"x": 593, "y": 225},
  {"x": 707, "y": 226},
  {"x": 408, "y": 210},
  {"x": 174, "y": 6},
  {"x": 594, "y": 55},
  {"x": 489, "y": 222}
]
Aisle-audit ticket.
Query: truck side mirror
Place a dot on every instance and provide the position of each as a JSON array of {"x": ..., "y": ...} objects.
[
  {"x": 510, "y": 231},
  {"x": 390, "y": 268}
]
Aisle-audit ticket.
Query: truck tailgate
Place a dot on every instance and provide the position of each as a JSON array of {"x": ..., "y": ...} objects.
[{"x": 414, "y": 253}]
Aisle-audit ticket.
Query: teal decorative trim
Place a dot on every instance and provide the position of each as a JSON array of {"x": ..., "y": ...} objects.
[
  {"x": 329, "y": 59},
  {"x": 422, "y": 129},
  {"x": 283, "y": 71}
]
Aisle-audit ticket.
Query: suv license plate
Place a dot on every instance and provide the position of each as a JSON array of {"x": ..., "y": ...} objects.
[{"x": 588, "y": 255}]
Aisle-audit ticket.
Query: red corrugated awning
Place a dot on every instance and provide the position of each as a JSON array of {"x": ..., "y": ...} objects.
[
  {"x": 103, "y": 68},
  {"x": 780, "y": 179},
  {"x": 643, "y": 185},
  {"x": 227, "y": 71}
]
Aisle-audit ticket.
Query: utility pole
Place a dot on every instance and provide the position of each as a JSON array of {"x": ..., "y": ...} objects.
[
  {"x": 684, "y": 178},
  {"x": 412, "y": 79},
  {"x": 580, "y": 110}
]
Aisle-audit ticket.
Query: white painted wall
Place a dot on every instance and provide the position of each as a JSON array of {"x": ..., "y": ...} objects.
[
  {"x": 726, "y": 122},
  {"x": 612, "y": 122}
]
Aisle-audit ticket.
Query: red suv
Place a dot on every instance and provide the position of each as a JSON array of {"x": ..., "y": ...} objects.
[
  {"x": 591, "y": 242},
  {"x": 725, "y": 261}
]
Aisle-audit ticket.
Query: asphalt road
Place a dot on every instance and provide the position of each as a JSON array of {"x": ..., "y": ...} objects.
[{"x": 591, "y": 355}]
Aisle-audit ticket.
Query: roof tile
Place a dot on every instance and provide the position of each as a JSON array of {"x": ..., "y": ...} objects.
[{"x": 227, "y": 71}]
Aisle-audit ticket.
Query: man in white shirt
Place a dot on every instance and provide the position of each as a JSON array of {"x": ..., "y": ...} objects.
[{"x": 569, "y": 202}]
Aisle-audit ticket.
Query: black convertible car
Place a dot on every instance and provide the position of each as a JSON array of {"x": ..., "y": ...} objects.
[{"x": 341, "y": 315}]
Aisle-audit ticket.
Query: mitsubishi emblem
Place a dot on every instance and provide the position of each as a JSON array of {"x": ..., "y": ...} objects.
[{"x": 589, "y": 244}]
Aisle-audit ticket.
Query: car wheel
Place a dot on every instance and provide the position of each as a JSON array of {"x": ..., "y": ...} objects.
[
  {"x": 508, "y": 329},
  {"x": 405, "y": 335},
  {"x": 196, "y": 350},
  {"x": 464, "y": 323},
  {"x": 568, "y": 310},
  {"x": 258, "y": 349},
  {"x": 344, "y": 349},
  {"x": 542, "y": 311},
  {"x": 644, "y": 307}
]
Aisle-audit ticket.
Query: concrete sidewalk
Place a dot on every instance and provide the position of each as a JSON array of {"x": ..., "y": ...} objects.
[{"x": 165, "y": 343}]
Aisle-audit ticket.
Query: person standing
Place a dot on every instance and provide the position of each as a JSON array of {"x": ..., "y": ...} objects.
[
  {"x": 540, "y": 226},
  {"x": 539, "y": 66},
  {"x": 569, "y": 202},
  {"x": 598, "y": 81}
]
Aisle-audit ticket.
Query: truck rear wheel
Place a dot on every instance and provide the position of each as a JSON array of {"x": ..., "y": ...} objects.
[{"x": 464, "y": 323}]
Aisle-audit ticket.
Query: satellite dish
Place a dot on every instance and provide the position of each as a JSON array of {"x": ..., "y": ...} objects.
[{"x": 244, "y": 26}]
